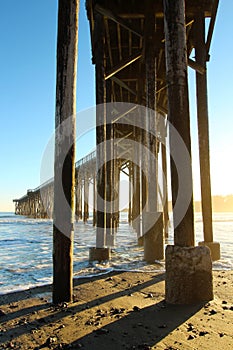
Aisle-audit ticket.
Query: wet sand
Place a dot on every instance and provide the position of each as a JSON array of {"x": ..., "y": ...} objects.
[{"x": 121, "y": 310}]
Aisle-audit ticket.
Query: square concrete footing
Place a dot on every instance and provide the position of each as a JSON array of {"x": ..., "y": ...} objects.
[
  {"x": 188, "y": 275},
  {"x": 99, "y": 254},
  {"x": 153, "y": 236},
  {"x": 214, "y": 249}
]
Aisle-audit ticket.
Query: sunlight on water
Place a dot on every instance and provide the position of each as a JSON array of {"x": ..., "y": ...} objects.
[{"x": 26, "y": 249}]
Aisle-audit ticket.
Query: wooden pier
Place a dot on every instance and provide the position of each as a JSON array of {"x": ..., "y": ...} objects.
[{"x": 141, "y": 52}]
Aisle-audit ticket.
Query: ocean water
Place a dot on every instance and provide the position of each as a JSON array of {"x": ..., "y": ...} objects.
[{"x": 26, "y": 249}]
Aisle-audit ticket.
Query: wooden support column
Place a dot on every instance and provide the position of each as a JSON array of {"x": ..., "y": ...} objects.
[
  {"x": 152, "y": 220},
  {"x": 94, "y": 199},
  {"x": 165, "y": 191},
  {"x": 114, "y": 195},
  {"x": 136, "y": 191},
  {"x": 100, "y": 130},
  {"x": 81, "y": 200},
  {"x": 203, "y": 137},
  {"x": 109, "y": 167},
  {"x": 130, "y": 194},
  {"x": 76, "y": 195},
  {"x": 203, "y": 129},
  {"x": 184, "y": 262},
  {"x": 86, "y": 198},
  {"x": 178, "y": 108},
  {"x": 64, "y": 168},
  {"x": 116, "y": 177},
  {"x": 118, "y": 171},
  {"x": 100, "y": 252},
  {"x": 150, "y": 65}
]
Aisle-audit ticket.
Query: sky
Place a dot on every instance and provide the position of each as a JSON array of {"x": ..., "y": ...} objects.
[{"x": 27, "y": 95}]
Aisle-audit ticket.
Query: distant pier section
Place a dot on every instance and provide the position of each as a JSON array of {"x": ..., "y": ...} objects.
[{"x": 38, "y": 202}]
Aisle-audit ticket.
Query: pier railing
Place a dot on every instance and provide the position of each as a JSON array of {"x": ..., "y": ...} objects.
[{"x": 81, "y": 162}]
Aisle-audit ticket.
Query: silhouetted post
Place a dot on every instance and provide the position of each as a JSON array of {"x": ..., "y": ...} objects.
[
  {"x": 165, "y": 189},
  {"x": 188, "y": 268},
  {"x": 109, "y": 166},
  {"x": 77, "y": 196},
  {"x": 130, "y": 194},
  {"x": 64, "y": 168},
  {"x": 100, "y": 252},
  {"x": 94, "y": 200},
  {"x": 80, "y": 208},
  {"x": 152, "y": 219},
  {"x": 150, "y": 65},
  {"x": 86, "y": 198},
  {"x": 100, "y": 131},
  {"x": 203, "y": 137}
]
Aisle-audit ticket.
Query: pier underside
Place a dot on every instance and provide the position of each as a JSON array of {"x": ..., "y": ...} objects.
[{"x": 141, "y": 51}]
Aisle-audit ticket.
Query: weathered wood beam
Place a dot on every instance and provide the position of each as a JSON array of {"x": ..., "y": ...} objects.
[
  {"x": 109, "y": 43},
  {"x": 109, "y": 163},
  {"x": 124, "y": 137},
  {"x": 150, "y": 59},
  {"x": 119, "y": 41},
  {"x": 123, "y": 85},
  {"x": 211, "y": 27},
  {"x": 64, "y": 167},
  {"x": 109, "y": 14},
  {"x": 121, "y": 115},
  {"x": 203, "y": 129},
  {"x": 196, "y": 66},
  {"x": 178, "y": 114},
  {"x": 100, "y": 131},
  {"x": 86, "y": 198},
  {"x": 123, "y": 64}
]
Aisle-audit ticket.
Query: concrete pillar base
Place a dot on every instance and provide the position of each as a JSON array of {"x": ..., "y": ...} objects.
[
  {"x": 99, "y": 254},
  {"x": 188, "y": 275},
  {"x": 214, "y": 249},
  {"x": 153, "y": 237}
]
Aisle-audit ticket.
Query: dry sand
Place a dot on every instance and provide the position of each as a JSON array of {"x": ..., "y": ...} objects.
[{"x": 121, "y": 310}]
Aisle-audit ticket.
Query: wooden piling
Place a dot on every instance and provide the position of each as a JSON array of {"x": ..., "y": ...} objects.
[
  {"x": 94, "y": 200},
  {"x": 203, "y": 127},
  {"x": 100, "y": 130},
  {"x": 130, "y": 194},
  {"x": 165, "y": 191},
  {"x": 64, "y": 169},
  {"x": 178, "y": 108},
  {"x": 151, "y": 140},
  {"x": 109, "y": 162},
  {"x": 86, "y": 198}
]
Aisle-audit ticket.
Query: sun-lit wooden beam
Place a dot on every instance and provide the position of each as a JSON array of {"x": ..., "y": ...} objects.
[{"x": 123, "y": 64}]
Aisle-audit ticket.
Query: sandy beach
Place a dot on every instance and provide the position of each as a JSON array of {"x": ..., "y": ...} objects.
[{"x": 120, "y": 310}]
